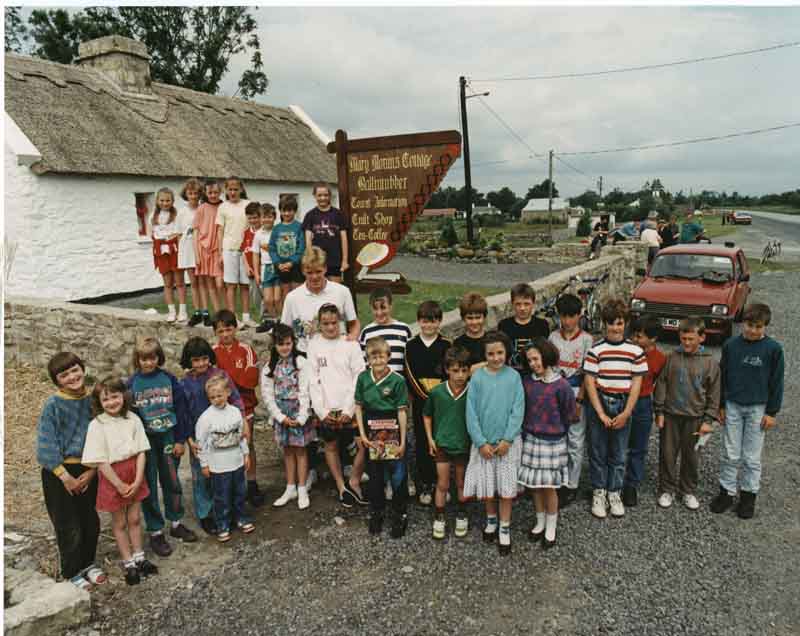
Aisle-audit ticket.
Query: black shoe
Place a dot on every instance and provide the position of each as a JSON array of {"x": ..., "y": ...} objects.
[
  {"x": 196, "y": 319},
  {"x": 359, "y": 499},
  {"x": 208, "y": 525},
  {"x": 376, "y": 523},
  {"x": 183, "y": 533},
  {"x": 207, "y": 319},
  {"x": 490, "y": 537},
  {"x": 548, "y": 544},
  {"x": 160, "y": 545},
  {"x": 504, "y": 550},
  {"x": 347, "y": 498},
  {"x": 266, "y": 325},
  {"x": 566, "y": 496},
  {"x": 630, "y": 496},
  {"x": 146, "y": 568},
  {"x": 747, "y": 505},
  {"x": 399, "y": 525},
  {"x": 535, "y": 537},
  {"x": 722, "y": 502},
  {"x": 132, "y": 575},
  {"x": 254, "y": 496}
]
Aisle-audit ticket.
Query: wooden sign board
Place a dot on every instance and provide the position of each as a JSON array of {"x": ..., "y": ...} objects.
[{"x": 384, "y": 184}]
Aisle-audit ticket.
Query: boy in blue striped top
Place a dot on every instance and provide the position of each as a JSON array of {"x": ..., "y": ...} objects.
[{"x": 70, "y": 488}]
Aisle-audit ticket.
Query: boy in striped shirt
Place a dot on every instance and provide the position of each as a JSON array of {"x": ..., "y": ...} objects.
[
  {"x": 383, "y": 325},
  {"x": 613, "y": 368}
]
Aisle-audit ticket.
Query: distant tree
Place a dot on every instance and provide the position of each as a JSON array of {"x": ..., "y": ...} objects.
[
  {"x": 516, "y": 209},
  {"x": 460, "y": 199},
  {"x": 588, "y": 199},
  {"x": 680, "y": 198},
  {"x": 190, "y": 47},
  {"x": 15, "y": 31},
  {"x": 442, "y": 198},
  {"x": 449, "y": 236},
  {"x": 504, "y": 199},
  {"x": 541, "y": 191}
]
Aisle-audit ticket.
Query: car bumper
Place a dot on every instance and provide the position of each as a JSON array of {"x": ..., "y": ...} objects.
[{"x": 714, "y": 324}]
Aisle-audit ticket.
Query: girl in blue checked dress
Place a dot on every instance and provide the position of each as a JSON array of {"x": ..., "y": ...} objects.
[
  {"x": 284, "y": 387},
  {"x": 549, "y": 411}
]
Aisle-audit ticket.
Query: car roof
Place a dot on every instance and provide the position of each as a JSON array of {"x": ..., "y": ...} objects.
[{"x": 701, "y": 248}]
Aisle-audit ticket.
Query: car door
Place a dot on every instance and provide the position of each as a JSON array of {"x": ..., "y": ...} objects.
[{"x": 742, "y": 283}]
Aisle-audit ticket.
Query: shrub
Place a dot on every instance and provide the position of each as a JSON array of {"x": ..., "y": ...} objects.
[
  {"x": 584, "y": 224},
  {"x": 448, "y": 236}
]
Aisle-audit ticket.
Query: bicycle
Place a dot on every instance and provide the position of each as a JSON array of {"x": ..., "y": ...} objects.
[
  {"x": 771, "y": 249},
  {"x": 548, "y": 309},
  {"x": 591, "y": 320}
]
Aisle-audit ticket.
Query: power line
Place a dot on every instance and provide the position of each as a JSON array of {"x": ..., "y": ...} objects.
[
  {"x": 508, "y": 127},
  {"x": 571, "y": 167},
  {"x": 644, "y": 67},
  {"x": 671, "y": 144}
]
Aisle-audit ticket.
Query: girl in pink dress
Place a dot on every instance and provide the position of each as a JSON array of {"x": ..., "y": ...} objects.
[{"x": 208, "y": 255}]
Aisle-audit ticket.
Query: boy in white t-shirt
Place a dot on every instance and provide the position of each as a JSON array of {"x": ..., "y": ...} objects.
[
  {"x": 335, "y": 364},
  {"x": 652, "y": 239}
]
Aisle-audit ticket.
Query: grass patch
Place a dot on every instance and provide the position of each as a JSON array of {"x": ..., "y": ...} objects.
[
  {"x": 713, "y": 226},
  {"x": 772, "y": 266},
  {"x": 780, "y": 209},
  {"x": 405, "y": 307}
]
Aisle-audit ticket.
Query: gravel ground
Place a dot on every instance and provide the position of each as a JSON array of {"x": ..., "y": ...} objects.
[{"x": 654, "y": 572}]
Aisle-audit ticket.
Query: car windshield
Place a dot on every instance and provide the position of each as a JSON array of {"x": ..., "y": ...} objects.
[{"x": 691, "y": 265}]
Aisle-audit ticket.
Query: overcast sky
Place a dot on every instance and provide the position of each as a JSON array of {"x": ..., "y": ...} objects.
[{"x": 376, "y": 71}]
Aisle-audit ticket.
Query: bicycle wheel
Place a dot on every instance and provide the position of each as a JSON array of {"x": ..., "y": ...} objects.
[
  {"x": 765, "y": 255},
  {"x": 778, "y": 249},
  {"x": 595, "y": 320}
]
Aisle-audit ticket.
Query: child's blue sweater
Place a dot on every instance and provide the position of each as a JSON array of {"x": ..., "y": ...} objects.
[
  {"x": 61, "y": 432},
  {"x": 495, "y": 406},
  {"x": 752, "y": 373},
  {"x": 287, "y": 243},
  {"x": 159, "y": 400}
]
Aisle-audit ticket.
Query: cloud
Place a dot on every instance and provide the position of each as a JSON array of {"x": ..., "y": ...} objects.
[{"x": 375, "y": 71}]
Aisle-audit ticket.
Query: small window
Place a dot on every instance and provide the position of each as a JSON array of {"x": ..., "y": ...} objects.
[{"x": 144, "y": 206}]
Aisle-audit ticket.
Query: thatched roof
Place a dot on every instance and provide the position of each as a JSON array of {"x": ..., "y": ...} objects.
[{"x": 82, "y": 123}]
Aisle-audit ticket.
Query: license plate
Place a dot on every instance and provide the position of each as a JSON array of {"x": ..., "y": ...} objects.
[{"x": 670, "y": 322}]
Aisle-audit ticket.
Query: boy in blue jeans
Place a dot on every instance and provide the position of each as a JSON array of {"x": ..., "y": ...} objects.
[
  {"x": 613, "y": 370},
  {"x": 751, "y": 394}
]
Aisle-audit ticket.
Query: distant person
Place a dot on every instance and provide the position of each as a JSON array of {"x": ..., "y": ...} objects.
[
  {"x": 600, "y": 237},
  {"x": 751, "y": 394},
  {"x": 652, "y": 239},
  {"x": 287, "y": 245},
  {"x": 692, "y": 230},
  {"x": 624, "y": 232},
  {"x": 190, "y": 193},
  {"x": 325, "y": 226},
  {"x": 231, "y": 225},
  {"x": 165, "y": 235},
  {"x": 208, "y": 257},
  {"x": 670, "y": 232}
]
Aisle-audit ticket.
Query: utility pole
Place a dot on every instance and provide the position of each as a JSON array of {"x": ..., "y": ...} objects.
[
  {"x": 462, "y": 83},
  {"x": 550, "y": 195},
  {"x": 600, "y": 185}
]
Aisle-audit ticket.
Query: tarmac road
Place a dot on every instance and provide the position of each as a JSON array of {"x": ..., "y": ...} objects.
[{"x": 766, "y": 226}]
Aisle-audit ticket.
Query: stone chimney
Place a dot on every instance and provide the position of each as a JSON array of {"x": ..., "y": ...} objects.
[{"x": 123, "y": 60}]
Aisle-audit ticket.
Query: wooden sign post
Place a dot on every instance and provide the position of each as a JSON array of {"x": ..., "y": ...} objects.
[{"x": 384, "y": 184}]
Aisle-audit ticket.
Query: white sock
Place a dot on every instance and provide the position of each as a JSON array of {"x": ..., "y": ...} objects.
[
  {"x": 138, "y": 557},
  {"x": 505, "y": 534},
  {"x": 175, "y": 524},
  {"x": 291, "y": 488},
  {"x": 491, "y": 524},
  {"x": 301, "y": 490},
  {"x": 130, "y": 563},
  {"x": 539, "y": 523},
  {"x": 182, "y": 307},
  {"x": 157, "y": 533},
  {"x": 245, "y": 317},
  {"x": 550, "y": 526}
]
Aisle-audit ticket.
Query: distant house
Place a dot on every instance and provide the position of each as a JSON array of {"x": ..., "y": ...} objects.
[
  {"x": 485, "y": 210},
  {"x": 88, "y": 145},
  {"x": 634, "y": 204},
  {"x": 537, "y": 209},
  {"x": 433, "y": 213}
]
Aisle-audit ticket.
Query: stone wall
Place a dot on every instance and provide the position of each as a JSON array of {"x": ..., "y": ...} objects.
[{"x": 104, "y": 336}]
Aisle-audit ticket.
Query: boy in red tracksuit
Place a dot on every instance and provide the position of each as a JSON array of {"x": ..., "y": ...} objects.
[{"x": 239, "y": 361}]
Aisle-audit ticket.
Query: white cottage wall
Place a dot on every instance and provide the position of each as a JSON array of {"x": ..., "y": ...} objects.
[{"x": 77, "y": 236}]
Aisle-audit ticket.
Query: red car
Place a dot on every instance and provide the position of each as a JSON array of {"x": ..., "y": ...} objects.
[
  {"x": 741, "y": 218},
  {"x": 707, "y": 281}
]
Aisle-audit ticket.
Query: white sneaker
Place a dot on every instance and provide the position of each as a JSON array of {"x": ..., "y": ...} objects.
[
  {"x": 438, "y": 528},
  {"x": 412, "y": 488},
  {"x": 690, "y": 501},
  {"x": 248, "y": 322},
  {"x": 615, "y": 503},
  {"x": 182, "y": 315},
  {"x": 665, "y": 500},
  {"x": 285, "y": 498},
  {"x": 311, "y": 479},
  {"x": 388, "y": 493},
  {"x": 303, "y": 500},
  {"x": 462, "y": 526},
  {"x": 599, "y": 503},
  {"x": 171, "y": 314}
]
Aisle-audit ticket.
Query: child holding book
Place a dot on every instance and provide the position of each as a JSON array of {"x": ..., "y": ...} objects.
[
  {"x": 751, "y": 394},
  {"x": 381, "y": 402},
  {"x": 686, "y": 406},
  {"x": 495, "y": 408},
  {"x": 69, "y": 487},
  {"x": 549, "y": 411},
  {"x": 445, "y": 417},
  {"x": 335, "y": 364},
  {"x": 613, "y": 370},
  {"x": 573, "y": 344},
  {"x": 645, "y": 332},
  {"x": 523, "y": 326},
  {"x": 224, "y": 456},
  {"x": 424, "y": 370},
  {"x": 284, "y": 387},
  {"x": 116, "y": 444},
  {"x": 473, "y": 310}
]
